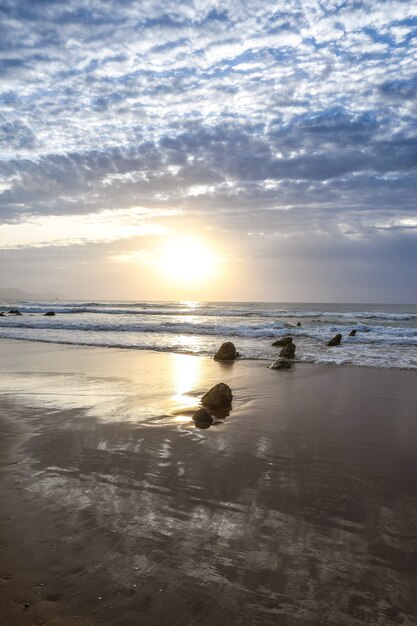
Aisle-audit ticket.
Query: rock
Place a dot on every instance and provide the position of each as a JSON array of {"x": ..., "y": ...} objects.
[
  {"x": 219, "y": 397},
  {"x": 298, "y": 323},
  {"x": 284, "y": 341},
  {"x": 281, "y": 364},
  {"x": 352, "y": 333},
  {"x": 335, "y": 341},
  {"x": 49, "y": 313},
  {"x": 1, "y": 314},
  {"x": 226, "y": 352},
  {"x": 18, "y": 313},
  {"x": 202, "y": 418},
  {"x": 288, "y": 351},
  {"x": 202, "y": 415}
]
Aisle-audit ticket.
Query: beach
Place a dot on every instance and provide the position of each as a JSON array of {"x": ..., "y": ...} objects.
[{"x": 299, "y": 508}]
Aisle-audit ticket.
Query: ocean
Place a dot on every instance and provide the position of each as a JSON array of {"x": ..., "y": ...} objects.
[{"x": 386, "y": 334}]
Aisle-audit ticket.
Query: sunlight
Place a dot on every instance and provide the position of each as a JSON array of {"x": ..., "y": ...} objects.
[
  {"x": 186, "y": 373},
  {"x": 187, "y": 260}
]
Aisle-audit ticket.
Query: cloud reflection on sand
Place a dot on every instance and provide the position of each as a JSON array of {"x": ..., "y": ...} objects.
[
  {"x": 300, "y": 510},
  {"x": 147, "y": 390}
]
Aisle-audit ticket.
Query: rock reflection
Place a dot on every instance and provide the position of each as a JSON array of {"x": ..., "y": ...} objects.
[{"x": 310, "y": 515}]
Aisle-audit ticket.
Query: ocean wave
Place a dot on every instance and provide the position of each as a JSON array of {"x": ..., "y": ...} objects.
[
  {"x": 269, "y": 329},
  {"x": 384, "y": 337},
  {"x": 210, "y": 311},
  {"x": 404, "y": 357}
]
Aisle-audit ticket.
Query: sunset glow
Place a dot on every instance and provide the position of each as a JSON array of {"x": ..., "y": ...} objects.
[
  {"x": 140, "y": 139},
  {"x": 187, "y": 260}
]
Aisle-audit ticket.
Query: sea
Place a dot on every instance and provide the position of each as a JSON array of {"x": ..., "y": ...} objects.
[{"x": 386, "y": 334}]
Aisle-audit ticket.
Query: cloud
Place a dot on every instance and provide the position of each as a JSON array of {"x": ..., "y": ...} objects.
[
  {"x": 16, "y": 135},
  {"x": 241, "y": 117},
  {"x": 64, "y": 230},
  {"x": 399, "y": 88}
]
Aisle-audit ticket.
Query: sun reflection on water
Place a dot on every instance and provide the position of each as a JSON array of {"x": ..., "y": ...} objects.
[
  {"x": 191, "y": 304},
  {"x": 186, "y": 372}
]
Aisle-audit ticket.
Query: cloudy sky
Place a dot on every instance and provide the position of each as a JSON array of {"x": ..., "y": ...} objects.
[{"x": 281, "y": 136}]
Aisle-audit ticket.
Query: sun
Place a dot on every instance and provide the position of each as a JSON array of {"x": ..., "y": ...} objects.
[{"x": 187, "y": 259}]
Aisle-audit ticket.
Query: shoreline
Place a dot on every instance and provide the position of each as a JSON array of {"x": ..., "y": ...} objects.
[
  {"x": 240, "y": 359},
  {"x": 383, "y": 338},
  {"x": 298, "y": 509}
]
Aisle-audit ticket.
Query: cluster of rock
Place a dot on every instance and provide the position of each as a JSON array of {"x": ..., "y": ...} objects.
[
  {"x": 17, "y": 312},
  {"x": 217, "y": 403},
  {"x": 228, "y": 352},
  {"x": 286, "y": 355}
]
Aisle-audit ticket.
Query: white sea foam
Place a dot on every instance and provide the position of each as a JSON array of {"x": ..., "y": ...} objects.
[
  {"x": 386, "y": 337},
  {"x": 210, "y": 310}
]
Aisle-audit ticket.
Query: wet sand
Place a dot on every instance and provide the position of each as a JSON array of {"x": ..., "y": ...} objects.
[{"x": 300, "y": 508}]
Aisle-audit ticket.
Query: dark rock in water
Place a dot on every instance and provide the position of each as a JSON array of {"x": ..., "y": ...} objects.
[
  {"x": 49, "y": 313},
  {"x": 288, "y": 351},
  {"x": 281, "y": 364},
  {"x": 202, "y": 419},
  {"x": 219, "y": 397},
  {"x": 1, "y": 314},
  {"x": 298, "y": 323},
  {"x": 284, "y": 341},
  {"x": 221, "y": 412},
  {"x": 352, "y": 333},
  {"x": 335, "y": 341},
  {"x": 226, "y": 352},
  {"x": 18, "y": 313},
  {"x": 15, "y": 312},
  {"x": 203, "y": 425},
  {"x": 202, "y": 415}
]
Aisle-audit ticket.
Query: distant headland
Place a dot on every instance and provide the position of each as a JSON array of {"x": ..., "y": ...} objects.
[{"x": 11, "y": 293}]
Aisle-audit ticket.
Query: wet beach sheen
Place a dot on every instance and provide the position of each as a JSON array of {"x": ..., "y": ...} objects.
[{"x": 299, "y": 508}]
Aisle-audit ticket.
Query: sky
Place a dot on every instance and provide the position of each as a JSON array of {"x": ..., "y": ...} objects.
[{"x": 278, "y": 138}]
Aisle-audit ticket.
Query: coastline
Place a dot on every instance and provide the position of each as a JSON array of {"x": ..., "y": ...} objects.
[
  {"x": 370, "y": 336},
  {"x": 299, "y": 508}
]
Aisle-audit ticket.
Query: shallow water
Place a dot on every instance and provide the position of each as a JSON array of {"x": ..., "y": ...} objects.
[{"x": 299, "y": 509}]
